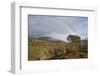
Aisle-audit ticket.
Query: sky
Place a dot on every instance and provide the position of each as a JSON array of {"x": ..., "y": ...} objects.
[{"x": 58, "y": 27}]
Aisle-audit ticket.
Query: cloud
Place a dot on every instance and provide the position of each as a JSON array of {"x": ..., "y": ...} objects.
[{"x": 59, "y": 25}]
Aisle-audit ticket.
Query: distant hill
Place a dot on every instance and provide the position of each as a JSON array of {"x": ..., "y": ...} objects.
[
  {"x": 84, "y": 41},
  {"x": 48, "y": 39}
]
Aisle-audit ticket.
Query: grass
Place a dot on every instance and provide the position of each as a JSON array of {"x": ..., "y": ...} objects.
[{"x": 48, "y": 50}]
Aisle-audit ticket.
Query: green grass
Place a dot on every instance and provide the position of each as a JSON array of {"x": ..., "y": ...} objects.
[{"x": 46, "y": 50}]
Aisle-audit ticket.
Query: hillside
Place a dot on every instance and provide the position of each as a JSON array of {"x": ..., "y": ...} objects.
[
  {"x": 48, "y": 39},
  {"x": 47, "y": 48}
]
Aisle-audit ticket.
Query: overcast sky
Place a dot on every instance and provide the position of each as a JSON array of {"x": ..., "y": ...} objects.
[{"x": 58, "y": 27}]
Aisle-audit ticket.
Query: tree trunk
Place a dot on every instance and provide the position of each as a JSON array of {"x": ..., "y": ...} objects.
[{"x": 73, "y": 46}]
